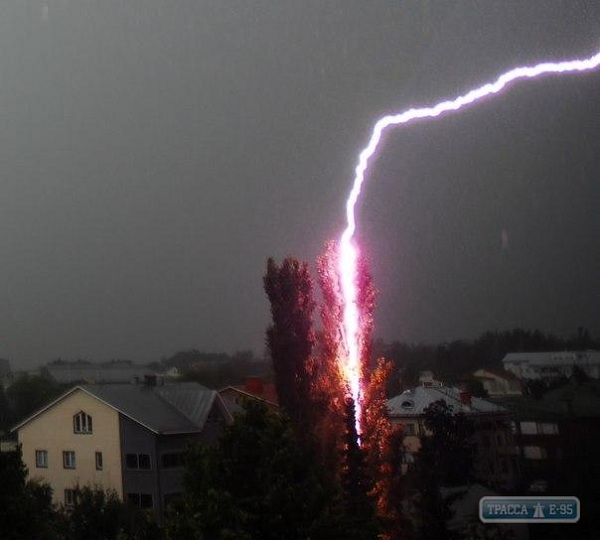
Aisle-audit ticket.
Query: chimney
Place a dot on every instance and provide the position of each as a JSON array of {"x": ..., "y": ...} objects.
[
  {"x": 465, "y": 398},
  {"x": 254, "y": 385}
]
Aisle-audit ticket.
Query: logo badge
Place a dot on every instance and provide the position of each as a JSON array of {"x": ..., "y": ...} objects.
[{"x": 529, "y": 509}]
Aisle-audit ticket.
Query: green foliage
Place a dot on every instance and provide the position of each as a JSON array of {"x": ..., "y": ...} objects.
[
  {"x": 25, "y": 506},
  {"x": 257, "y": 482},
  {"x": 101, "y": 515},
  {"x": 444, "y": 459},
  {"x": 449, "y": 443}
]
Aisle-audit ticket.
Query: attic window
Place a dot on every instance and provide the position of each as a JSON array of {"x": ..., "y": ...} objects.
[
  {"x": 82, "y": 423},
  {"x": 408, "y": 404}
]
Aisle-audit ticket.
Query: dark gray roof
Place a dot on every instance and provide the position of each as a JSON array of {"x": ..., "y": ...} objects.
[
  {"x": 414, "y": 402},
  {"x": 168, "y": 408}
]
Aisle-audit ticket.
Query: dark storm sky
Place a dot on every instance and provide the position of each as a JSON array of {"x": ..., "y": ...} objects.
[{"x": 154, "y": 153}]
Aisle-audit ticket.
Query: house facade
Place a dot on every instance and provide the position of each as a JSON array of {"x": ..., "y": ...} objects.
[
  {"x": 558, "y": 433},
  {"x": 495, "y": 459},
  {"x": 499, "y": 383},
  {"x": 129, "y": 438}
]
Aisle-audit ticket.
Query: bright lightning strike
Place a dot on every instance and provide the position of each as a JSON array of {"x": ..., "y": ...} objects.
[{"x": 348, "y": 249}]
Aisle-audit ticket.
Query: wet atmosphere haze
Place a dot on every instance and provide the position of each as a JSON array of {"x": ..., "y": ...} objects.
[{"x": 154, "y": 154}]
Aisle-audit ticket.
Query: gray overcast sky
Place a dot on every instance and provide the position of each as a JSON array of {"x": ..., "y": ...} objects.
[{"x": 154, "y": 153}]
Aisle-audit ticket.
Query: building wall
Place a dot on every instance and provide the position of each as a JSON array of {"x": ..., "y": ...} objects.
[
  {"x": 53, "y": 431},
  {"x": 495, "y": 457},
  {"x": 158, "y": 481}
]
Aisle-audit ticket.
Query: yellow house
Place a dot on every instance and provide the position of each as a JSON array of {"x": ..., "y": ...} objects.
[{"x": 127, "y": 437}]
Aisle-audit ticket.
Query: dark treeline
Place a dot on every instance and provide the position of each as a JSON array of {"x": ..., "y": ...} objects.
[
  {"x": 25, "y": 395},
  {"x": 456, "y": 360},
  {"x": 217, "y": 370}
]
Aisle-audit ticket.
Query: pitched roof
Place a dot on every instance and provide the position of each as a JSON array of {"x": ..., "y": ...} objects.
[
  {"x": 500, "y": 373},
  {"x": 414, "y": 402},
  {"x": 269, "y": 395},
  {"x": 165, "y": 409}
]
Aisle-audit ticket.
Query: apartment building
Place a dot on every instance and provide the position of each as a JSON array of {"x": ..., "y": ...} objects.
[{"x": 127, "y": 437}]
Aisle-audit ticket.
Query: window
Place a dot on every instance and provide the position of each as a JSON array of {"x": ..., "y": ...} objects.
[
  {"x": 99, "y": 464},
  {"x": 172, "y": 460},
  {"x": 528, "y": 428},
  {"x": 137, "y": 461},
  {"x": 82, "y": 423},
  {"x": 69, "y": 459},
  {"x": 539, "y": 428},
  {"x": 410, "y": 429},
  {"x": 535, "y": 452},
  {"x": 548, "y": 429},
  {"x": 140, "y": 500},
  {"x": 41, "y": 459},
  {"x": 69, "y": 497}
]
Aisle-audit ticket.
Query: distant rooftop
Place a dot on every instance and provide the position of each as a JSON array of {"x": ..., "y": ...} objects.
[
  {"x": 414, "y": 402},
  {"x": 553, "y": 358}
]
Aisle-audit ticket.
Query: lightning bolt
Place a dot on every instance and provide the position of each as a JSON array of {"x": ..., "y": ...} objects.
[{"x": 347, "y": 246}]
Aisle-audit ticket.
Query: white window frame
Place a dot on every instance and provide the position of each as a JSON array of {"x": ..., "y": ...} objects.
[
  {"x": 82, "y": 423},
  {"x": 41, "y": 459},
  {"x": 69, "y": 461},
  {"x": 99, "y": 461}
]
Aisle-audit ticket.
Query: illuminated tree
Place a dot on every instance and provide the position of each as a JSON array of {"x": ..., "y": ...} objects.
[
  {"x": 382, "y": 443},
  {"x": 368, "y": 474}
]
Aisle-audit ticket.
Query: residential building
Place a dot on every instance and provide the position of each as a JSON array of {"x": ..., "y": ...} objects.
[
  {"x": 499, "y": 382},
  {"x": 558, "y": 433},
  {"x": 130, "y": 438},
  {"x": 495, "y": 459},
  {"x": 548, "y": 366},
  {"x": 255, "y": 389},
  {"x": 426, "y": 378}
]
